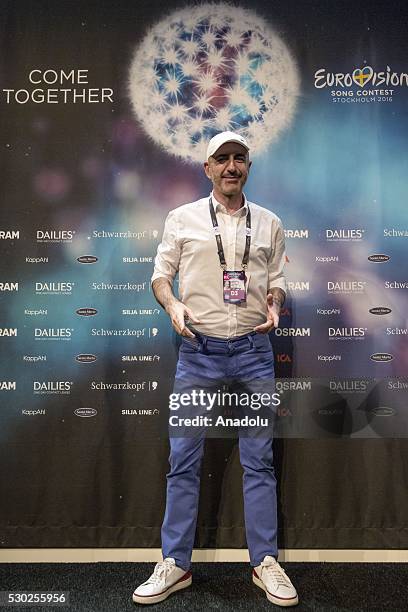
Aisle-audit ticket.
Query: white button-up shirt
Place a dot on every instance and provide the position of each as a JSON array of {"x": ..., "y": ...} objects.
[{"x": 189, "y": 247}]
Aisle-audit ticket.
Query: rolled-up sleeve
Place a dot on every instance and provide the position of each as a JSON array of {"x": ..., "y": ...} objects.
[
  {"x": 167, "y": 260},
  {"x": 277, "y": 260}
]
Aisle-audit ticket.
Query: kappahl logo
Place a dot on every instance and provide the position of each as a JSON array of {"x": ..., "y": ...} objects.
[
  {"x": 381, "y": 357},
  {"x": 379, "y": 258},
  {"x": 85, "y": 412},
  {"x": 86, "y": 312},
  {"x": 86, "y": 358},
  {"x": 380, "y": 310},
  {"x": 87, "y": 259}
]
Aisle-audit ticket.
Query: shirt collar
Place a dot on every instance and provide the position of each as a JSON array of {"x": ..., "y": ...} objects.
[{"x": 218, "y": 206}]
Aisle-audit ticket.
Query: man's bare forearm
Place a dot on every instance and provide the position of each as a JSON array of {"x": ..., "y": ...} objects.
[{"x": 163, "y": 292}]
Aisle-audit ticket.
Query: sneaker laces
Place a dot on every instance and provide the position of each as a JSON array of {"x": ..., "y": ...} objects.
[
  {"x": 276, "y": 572},
  {"x": 161, "y": 570}
]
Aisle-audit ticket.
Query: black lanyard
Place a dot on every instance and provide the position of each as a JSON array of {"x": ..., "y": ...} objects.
[{"x": 220, "y": 248}]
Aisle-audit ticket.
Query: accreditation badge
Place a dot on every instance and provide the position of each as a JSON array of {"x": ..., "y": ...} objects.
[{"x": 234, "y": 284}]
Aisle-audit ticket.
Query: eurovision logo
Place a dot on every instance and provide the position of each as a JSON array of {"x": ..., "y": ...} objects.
[{"x": 363, "y": 84}]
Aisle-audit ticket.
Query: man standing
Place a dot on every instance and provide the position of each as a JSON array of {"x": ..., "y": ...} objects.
[{"x": 229, "y": 254}]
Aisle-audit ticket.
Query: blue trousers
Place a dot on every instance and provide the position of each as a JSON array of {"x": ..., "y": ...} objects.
[{"x": 246, "y": 363}]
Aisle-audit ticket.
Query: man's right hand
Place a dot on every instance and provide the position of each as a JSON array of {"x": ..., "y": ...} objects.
[{"x": 178, "y": 314}]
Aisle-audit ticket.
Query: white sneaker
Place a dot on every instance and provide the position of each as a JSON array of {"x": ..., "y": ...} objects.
[
  {"x": 272, "y": 578},
  {"x": 166, "y": 579}
]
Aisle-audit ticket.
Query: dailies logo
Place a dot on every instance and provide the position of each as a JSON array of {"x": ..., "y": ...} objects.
[
  {"x": 55, "y": 236},
  {"x": 362, "y": 85},
  {"x": 336, "y": 287},
  {"x": 344, "y": 235},
  {"x": 349, "y": 386},
  {"x": 52, "y": 387},
  {"x": 53, "y": 288},
  {"x": 347, "y": 333},
  {"x": 53, "y": 333}
]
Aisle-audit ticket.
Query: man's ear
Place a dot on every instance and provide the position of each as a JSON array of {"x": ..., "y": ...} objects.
[
  {"x": 207, "y": 169},
  {"x": 249, "y": 165}
]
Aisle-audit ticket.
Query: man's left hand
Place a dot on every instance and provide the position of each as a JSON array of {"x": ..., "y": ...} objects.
[{"x": 272, "y": 317}]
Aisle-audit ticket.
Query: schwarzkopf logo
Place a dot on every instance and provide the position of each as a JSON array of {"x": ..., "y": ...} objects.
[
  {"x": 87, "y": 259},
  {"x": 380, "y": 310},
  {"x": 85, "y": 412},
  {"x": 379, "y": 258},
  {"x": 381, "y": 357},
  {"x": 86, "y": 358}
]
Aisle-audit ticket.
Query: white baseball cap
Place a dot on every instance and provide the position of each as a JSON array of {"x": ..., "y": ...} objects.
[{"x": 219, "y": 139}]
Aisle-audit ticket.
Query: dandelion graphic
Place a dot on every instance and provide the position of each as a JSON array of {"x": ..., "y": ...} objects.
[{"x": 209, "y": 68}]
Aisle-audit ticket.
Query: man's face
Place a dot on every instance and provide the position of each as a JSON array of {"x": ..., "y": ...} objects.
[{"x": 228, "y": 168}]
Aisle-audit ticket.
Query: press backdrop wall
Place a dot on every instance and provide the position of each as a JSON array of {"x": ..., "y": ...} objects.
[{"x": 96, "y": 148}]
